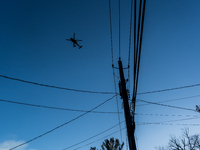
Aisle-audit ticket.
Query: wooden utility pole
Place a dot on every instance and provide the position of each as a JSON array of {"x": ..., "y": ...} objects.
[{"x": 130, "y": 124}]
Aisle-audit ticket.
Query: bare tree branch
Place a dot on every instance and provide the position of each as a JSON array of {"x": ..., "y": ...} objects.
[{"x": 185, "y": 142}]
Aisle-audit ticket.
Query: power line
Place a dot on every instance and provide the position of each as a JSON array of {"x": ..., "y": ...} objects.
[
  {"x": 144, "y": 123},
  {"x": 61, "y": 125},
  {"x": 76, "y": 90},
  {"x": 93, "y": 136},
  {"x": 139, "y": 123},
  {"x": 118, "y": 111},
  {"x": 139, "y": 44},
  {"x": 113, "y": 64},
  {"x": 167, "y": 105},
  {"x": 100, "y": 139},
  {"x": 183, "y": 124},
  {"x": 111, "y": 33},
  {"x": 119, "y": 32},
  {"x": 137, "y": 51},
  {"x": 171, "y": 100},
  {"x": 136, "y": 59},
  {"x": 129, "y": 53},
  {"x": 166, "y": 115},
  {"x": 57, "y": 108},
  {"x": 56, "y": 87},
  {"x": 135, "y": 30},
  {"x": 164, "y": 90},
  {"x": 147, "y": 123}
]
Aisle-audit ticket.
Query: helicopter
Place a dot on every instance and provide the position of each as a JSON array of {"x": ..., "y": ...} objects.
[{"x": 74, "y": 41}]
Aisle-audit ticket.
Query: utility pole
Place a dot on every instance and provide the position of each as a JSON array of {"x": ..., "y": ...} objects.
[{"x": 130, "y": 124}]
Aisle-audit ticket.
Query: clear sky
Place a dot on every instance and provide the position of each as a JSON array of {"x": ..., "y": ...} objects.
[{"x": 33, "y": 48}]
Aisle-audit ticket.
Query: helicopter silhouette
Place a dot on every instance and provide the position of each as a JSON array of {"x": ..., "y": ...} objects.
[{"x": 75, "y": 41}]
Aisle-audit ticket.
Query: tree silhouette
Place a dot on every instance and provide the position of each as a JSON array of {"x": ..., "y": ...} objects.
[
  {"x": 185, "y": 142},
  {"x": 112, "y": 144},
  {"x": 93, "y": 148}
]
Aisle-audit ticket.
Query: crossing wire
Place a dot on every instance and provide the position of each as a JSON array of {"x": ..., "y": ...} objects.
[
  {"x": 117, "y": 106},
  {"x": 134, "y": 28},
  {"x": 145, "y": 123},
  {"x": 113, "y": 64},
  {"x": 129, "y": 53},
  {"x": 61, "y": 125},
  {"x": 93, "y": 136},
  {"x": 111, "y": 33},
  {"x": 182, "y": 124},
  {"x": 56, "y": 87},
  {"x": 113, "y": 68},
  {"x": 171, "y": 100},
  {"x": 137, "y": 52},
  {"x": 100, "y": 138},
  {"x": 170, "y": 89},
  {"x": 119, "y": 32},
  {"x": 167, "y": 105},
  {"x": 136, "y": 55},
  {"x": 138, "y": 46},
  {"x": 76, "y": 90},
  {"x": 167, "y": 115},
  {"x": 55, "y": 108}
]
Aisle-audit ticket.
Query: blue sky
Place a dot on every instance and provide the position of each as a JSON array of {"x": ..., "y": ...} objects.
[{"x": 33, "y": 48}]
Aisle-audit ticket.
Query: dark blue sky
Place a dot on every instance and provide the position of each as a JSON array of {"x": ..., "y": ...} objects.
[{"x": 33, "y": 48}]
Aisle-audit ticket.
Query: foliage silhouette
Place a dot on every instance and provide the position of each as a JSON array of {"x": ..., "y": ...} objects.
[
  {"x": 112, "y": 144},
  {"x": 185, "y": 142}
]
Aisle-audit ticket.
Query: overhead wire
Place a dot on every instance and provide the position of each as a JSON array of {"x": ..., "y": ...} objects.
[
  {"x": 150, "y": 123},
  {"x": 113, "y": 65},
  {"x": 118, "y": 112},
  {"x": 99, "y": 139},
  {"x": 137, "y": 51},
  {"x": 167, "y": 115},
  {"x": 55, "y": 108},
  {"x": 119, "y": 32},
  {"x": 111, "y": 33},
  {"x": 93, "y": 136},
  {"x": 167, "y": 105},
  {"x": 67, "y": 109},
  {"x": 41, "y": 135},
  {"x": 129, "y": 52},
  {"x": 77, "y": 90},
  {"x": 171, "y": 100},
  {"x": 144, "y": 123},
  {"x": 182, "y": 124},
  {"x": 56, "y": 87},
  {"x": 170, "y": 89},
  {"x": 139, "y": 45},
  {"x": 135, "y": 10}
]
